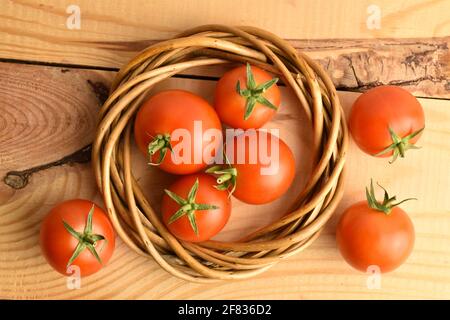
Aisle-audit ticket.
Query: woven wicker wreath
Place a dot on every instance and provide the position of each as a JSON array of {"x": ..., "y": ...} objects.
[{"x": 140, "y": 226}]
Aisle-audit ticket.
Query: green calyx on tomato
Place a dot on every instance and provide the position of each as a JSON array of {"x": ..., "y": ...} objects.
[
  {"x": 399, "y": 145},
  {"x": 160, "y": 143},
  {"x": 254, "y": 93},
  {"x": 226, "y": 179},
  {"x": 388, "y": 202},
  {"x": 86, "y": 239},
  {"x": 188, "y": 206}
]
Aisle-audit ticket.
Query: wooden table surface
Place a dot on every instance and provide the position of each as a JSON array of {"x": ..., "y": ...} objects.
[{"x": 54, "y": 77}]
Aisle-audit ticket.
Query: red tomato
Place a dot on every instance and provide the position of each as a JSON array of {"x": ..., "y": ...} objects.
[
  {"x": 193, "y": 209},
  {"x": 386, "y": 121},
  {"x": 251, "y": 106},
  {"x": 367, "y": 236},
  {"x": 67, "y": 227},
  {"x": 167, "y": 111},
  {"x": 262, "y": 167}
]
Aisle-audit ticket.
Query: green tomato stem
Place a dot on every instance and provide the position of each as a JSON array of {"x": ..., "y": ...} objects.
[
  {"x": 255, "y": 93},
  {"x": 188, "y": 206},
  {"x": 399, "y": 145},
  {"x": 160, "y": 143},
  {"x": 388, "y": 202},
  {"x": 86, "y": 239},
  {"x": 225, "y": 177}
]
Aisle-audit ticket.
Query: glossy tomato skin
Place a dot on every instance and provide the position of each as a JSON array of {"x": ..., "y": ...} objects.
[
  {"x": 367, "y": 237},
  {"x": 58, "y": 245},
  {"x": 230, "y": 106},
  {"x": 380, "y": 108},
  {"x": 177, "y": 109},
  {"x": 209, "y": 222},
  {"x": 252, "y": 186}
]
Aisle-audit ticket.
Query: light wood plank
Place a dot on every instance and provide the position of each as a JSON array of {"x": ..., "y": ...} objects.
[
  {"x": 29, "y": 27},
  {"x": 360, "y": 57},
  {"x": 47, "y": 114}
]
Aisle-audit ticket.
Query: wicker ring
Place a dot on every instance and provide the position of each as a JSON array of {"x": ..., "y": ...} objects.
[{"x": 140, "y": 226}]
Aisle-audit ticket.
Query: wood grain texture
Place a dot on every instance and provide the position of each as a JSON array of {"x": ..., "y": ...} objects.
[
  {"x": 361, "y": 58},
  {"x": 421, "y": 66},
  {"x": 47, "y": 114}
]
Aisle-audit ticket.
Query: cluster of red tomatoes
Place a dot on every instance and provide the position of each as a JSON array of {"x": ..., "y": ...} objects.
[
  {"x": 385, "y": 121},
  {"x": 78, "y": 234},
  {"x": 197, "y": 206}
]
